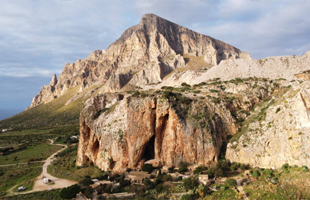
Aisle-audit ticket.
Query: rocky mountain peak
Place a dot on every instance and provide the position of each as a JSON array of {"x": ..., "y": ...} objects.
[
  {"x": 54, "y": 80},
  {"x": 144, "y": 54}
]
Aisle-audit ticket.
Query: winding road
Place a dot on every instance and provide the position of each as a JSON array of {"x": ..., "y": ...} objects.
[{"x": 39, "y": 185}]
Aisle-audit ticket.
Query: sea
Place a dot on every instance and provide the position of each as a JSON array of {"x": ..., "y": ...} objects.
[{"x": 6, "y": 113}]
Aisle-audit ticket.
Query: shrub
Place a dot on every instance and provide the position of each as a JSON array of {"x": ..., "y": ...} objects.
[
  {"x": 211, "y": 171},
  {"x": 231, "y": 182},
  {"x": 88, "y": 192},
  {"x": 219, "y": 172},
  {"x": 187, "y": 197},
  {"x": 255, "y": 173},
  {"x": 182, "y": 170},
  {"x": 305, "y": 168},
  {"x": 147, "y": 168},
  {"x": 164, "y": 178},
  {"x": 190, "y": 183},
  {"x": 285, "y": 166},
  {"x": 124, "y": 183},
  {"x": 278, "y": 110},
  {"x": 86, "y": 181},
  {"x": 185, "y": 84},
  {"x": 268, "y": 172},
  {"x": 70, "y": 192},
  {"x": 148, "y": 184},
  {"x": 199, "y": 169},
  {"x": 182, "y": 166}
]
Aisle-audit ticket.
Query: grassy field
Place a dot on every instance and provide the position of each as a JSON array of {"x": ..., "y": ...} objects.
[
  {"x": 52, "y": 114},
  {"x": 46, "y": 195},
  {"x": 64, "y": 167},
  {"x": 31, "y": 153},
  {"x": 18, "y": 175},
  {"x": 292, "y": 184}
]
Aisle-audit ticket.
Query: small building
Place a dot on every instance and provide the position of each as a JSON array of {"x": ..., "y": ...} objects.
[
  {"x": 204, "y": 179},
  {"x": 138, "y": 177}
]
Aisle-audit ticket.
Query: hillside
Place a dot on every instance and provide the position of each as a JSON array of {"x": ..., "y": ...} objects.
[
  {"x": 164, "y": 93},
  {"x": 64, "y": 110}
]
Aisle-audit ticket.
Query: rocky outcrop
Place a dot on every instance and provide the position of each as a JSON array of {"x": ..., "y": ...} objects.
[
  {"x": 166, "y": 126},
  {"x": 144, "y": 54},
  {"x": 287, "y": 67},
  {"x": 280, "y": 132}
]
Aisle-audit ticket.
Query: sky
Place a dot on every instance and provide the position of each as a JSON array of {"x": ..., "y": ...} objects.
[{"x": 37, "y": 37}]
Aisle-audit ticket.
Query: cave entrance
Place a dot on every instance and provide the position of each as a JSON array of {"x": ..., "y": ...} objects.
[{"x": 149, "y": 152}]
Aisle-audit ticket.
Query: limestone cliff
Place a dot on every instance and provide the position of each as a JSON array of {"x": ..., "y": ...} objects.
[
  {"x": 279, "y": 133},
  {"x": 123, "y": 131},
  {"x": 288, "y": 67},
  {"x": 144, "y": 54}
]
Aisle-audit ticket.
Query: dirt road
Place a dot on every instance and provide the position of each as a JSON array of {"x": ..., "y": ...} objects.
[{"x": 39, "y": 185}]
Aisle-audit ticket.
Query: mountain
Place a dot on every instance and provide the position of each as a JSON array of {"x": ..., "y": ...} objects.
[
  {"x": 163, "y": 94},
  {"x": 144, "y": 54}
]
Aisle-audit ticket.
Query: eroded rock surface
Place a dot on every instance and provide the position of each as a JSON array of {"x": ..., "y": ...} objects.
[
  {"x": 119, "y": 132},
  {"x": 144, "y": 54},
  {"x": 280, "y": 132}
]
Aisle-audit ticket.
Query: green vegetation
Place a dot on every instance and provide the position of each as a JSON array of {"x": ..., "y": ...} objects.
[
  {"x": 29, "y": 154},
  {"x": 147, "y": 168},
  {"x": 52, "y": 114},
  {"x": 69, "y": 192},
  {"x": 17, "y": 175},
  {"x": 47, "y": 195},
  {"x": 65, "y": 167}
]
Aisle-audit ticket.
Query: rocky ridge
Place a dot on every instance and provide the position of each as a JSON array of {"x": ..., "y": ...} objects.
[
  {"x": 169, "y": 94},
  {"x": 144, "y": 54},
  {"x": 279, "y": 133},
  {"x": 287, "y": 67},
  {"x": 165, "y": 126}
]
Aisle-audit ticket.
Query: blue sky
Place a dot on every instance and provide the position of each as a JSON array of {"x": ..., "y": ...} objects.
[{"x": 37, "y": 37}]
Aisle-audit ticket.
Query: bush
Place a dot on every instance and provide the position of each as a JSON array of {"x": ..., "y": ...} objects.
[
  {"x": 70, "y": 192},
  {"x": 148, "y": 184},
  {"x": 199, "y": 169},
  {"x": 304, "y": 168},
  {"x": 285, "y": 166},
  {"x": 268, "y": 172},
  {"x": 182, "y": 170},
  {"x": 190, "y": 183},
  {"x": 211, "y": 171},
  {"x": 255, "y": 173},
  {"x": 219, "y": 173},
  {"x": 88, "y": 192},
  {"x": 124, "y": 183},
  {"x": 108, "y": 189},
  {"x": 86, "y": 181},
  {"x": 185, "y": 84},
  {"x": 147, "y": 168},
  {"x": 164, "y": 178},
  {"x": 182, "y": 166},
  {"x": 231, "y": 182},
  {"x": 187, "y": 197}
]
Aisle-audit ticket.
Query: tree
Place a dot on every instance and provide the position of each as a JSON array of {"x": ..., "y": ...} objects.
[
  {"x": 70, "y": 192},
  {"x": 147, "y": 168},
  {"x": 190, "y": 183}
]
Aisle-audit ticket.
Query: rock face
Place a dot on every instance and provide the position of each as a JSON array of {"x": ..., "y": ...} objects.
[
  {"x": 280, "y": 134},
  {"x": 119, "y": 132},
  {"x": 287, "y": 67},
  {"x": 144, "y": 54}
]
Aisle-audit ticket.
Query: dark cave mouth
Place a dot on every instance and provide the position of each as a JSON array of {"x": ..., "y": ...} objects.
[{"x": 149, "y": 151}]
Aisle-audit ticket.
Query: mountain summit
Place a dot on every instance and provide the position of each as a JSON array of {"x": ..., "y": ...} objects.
[{"x": 144, "y": 54}]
